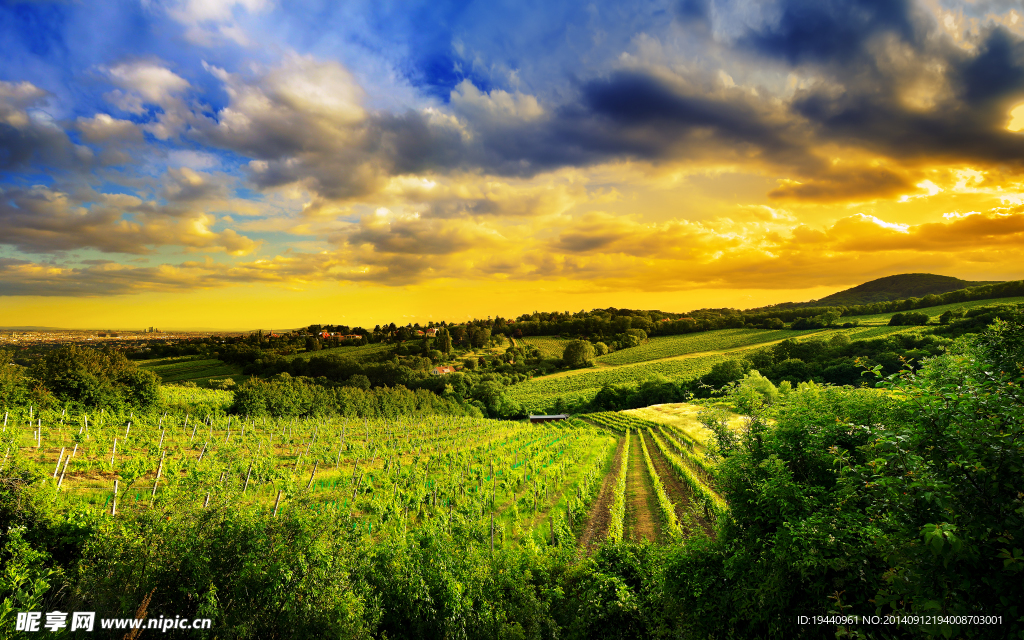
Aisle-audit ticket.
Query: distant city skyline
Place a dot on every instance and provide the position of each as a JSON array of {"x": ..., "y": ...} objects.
[{"x": 253, "y": 163}]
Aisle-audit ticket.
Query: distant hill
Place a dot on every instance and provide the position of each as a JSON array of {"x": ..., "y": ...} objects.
[{"x": 898, "y": 287}]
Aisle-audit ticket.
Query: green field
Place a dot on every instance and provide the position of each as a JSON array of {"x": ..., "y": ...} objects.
[
  {"x": 669, "y": 346},
  {"x": 550, "y": 347},
  {"x": 189, "y": 369},
  {"x": 174, "y": 395},
  {"x": 356, "y": 353},
  {"x": 935, "y": 312},
  {"x": 673, "y": 358},
  {"x": 475, "y": 471},
  {"x": 583, "y": 384},
  {"x": 874, "y": 331}
]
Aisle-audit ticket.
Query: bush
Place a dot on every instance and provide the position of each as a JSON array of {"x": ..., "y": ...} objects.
[
  {"x": 283, "y": 395},
  {"x": 723, "y": 373},
  {"x": 908, "y": 319},
  {"x": 14, "y": 387},
  {"x": 754, "y": 391},
  {"x": 578, "y": 354},
  {"x": 98, "y": 378}
]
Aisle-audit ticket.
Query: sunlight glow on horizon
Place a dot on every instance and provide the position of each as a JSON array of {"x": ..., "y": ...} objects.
[{"x": 177, "y": 175}]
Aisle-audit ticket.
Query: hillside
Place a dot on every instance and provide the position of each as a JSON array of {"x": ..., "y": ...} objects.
[{"x": 904, "y": 285}]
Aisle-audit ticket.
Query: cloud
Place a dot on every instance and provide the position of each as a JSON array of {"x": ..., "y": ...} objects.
[
  {"x": 845, "y": 185},
  {"x": 208, "y": 22},
  {"x": 869, "y": 234},
  {"x": 153, "y": 82},
  {"x": 103, "y": 128},
  {"x": 100, "y": 279},
  {"x": 831, "y": 31},
  {"x": 184, "y": 185},
  {"x": 150, "y": 82},
  {"x": 497, "y": 108},
  {"x": 28, "y": 135},
  {"x": 42, "y": 220}
]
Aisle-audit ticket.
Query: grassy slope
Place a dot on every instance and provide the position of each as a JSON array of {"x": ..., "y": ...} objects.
[
  {"x": 356, "y": 353},
  {"x": 935, "y": 312},
  {"x": 670, "y": 346},
  {"x": 683, "y": 416},
  {"x": 549, "y": 346},
  {"x": 683, "y": 363},
  {"x": 537, "y": 394},
  {"x": 178, "y": 396},
  {"x": 190, "y": 369}
]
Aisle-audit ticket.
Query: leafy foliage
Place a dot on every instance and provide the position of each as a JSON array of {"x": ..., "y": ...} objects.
[{"x": 99, "y": 378}]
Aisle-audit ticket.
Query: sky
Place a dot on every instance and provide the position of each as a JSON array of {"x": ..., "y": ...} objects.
[{"x": 239, "y": 164}]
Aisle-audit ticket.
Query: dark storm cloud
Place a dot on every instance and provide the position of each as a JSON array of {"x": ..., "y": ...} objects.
[
  {"x": 644, "y": 115},
  {"x": 29, "y": 137},
  {"x": 996, "y": 72},
  {"x": 832, "y": 30},
  {"x": 967, "y": 122}
]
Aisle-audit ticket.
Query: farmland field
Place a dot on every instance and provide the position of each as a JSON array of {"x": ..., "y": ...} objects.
[
  {"x": 356, "y": 353},
  {"x": 550, "y": 347},
  {"x": 190, "y": 369},
  {"x": 539, "y": 394},
  {"x": 175, "y": 395},
  {"x": 534, "y": 480},
  {"x": 935, "y": 312},
  {"x": 874, "y": 331},
  {"x": 669, "y": 346},
  {"x": 682, "y": 416}
]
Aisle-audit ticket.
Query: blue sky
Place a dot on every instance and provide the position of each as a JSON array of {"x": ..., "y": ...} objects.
[{"x": 660, "y": 152}]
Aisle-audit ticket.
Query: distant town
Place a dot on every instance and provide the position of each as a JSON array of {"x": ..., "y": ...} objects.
[{"x": 42, "y": 337}]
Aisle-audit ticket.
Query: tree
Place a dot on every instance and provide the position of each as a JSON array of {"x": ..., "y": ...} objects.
[
  {"x": 358, "y": 381},
  {"x": 600, "y": 348},
  {"x": 578, "y": 354},
  {"x": 98, "y": 378},
  {"x": 753, "y": 391},
  {"x": 723, "y": 373},
  {"x": 443, "y": 342},
  {"x": 13, "y": 382},
  {"x": 481, "y": 336}
]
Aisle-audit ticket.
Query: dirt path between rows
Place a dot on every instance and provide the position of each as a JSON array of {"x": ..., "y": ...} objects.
[
  {"x": 601, "y": 512},
  {"x": 642, "y": 522},
  {"x": 678, "y": 493}
]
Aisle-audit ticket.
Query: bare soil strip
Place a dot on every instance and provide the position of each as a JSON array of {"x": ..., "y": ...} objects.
[
  {"x": 601, "y": 511},
  {"x": 678, "y": 493},
  {"x": 641, "y": 503}
]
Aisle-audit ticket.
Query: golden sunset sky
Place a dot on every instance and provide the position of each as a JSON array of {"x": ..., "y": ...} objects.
[{"x": 246, "y": 164}]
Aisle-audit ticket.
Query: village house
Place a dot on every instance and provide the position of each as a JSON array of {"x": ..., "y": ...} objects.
[{"x": 442, "y": 370}]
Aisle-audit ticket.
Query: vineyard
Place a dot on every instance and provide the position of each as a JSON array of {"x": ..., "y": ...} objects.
[
  {"x": 550, "y": 347},
  {"x": 935, "y": 312},
  {"x": 669, "y": 346},
  {"x": 189, "y": 369},
  {"x": 513, "y": 480},
  {"x": 539, "y": 395},
  {"x": 356, "y": 353},
  {"x": 214, "y": 400},
  {"x": 498, "y": 482}
]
